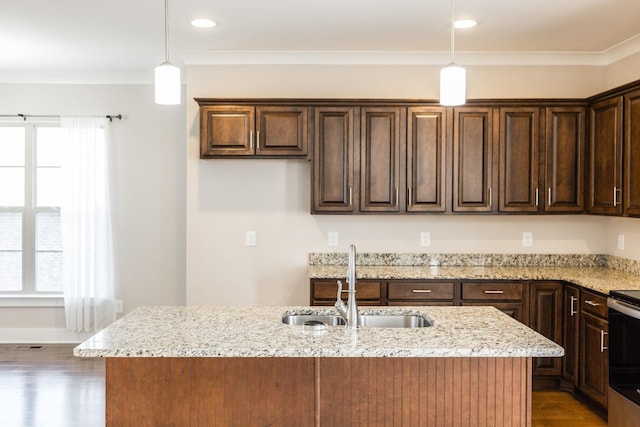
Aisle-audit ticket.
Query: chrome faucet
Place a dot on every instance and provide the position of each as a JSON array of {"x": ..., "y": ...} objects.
[{"x": 350, "y": 311}]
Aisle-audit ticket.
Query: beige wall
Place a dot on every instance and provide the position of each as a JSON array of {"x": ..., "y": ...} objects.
[
  {"x": 148, "y": 160},
  {"x": 225, "y": 198}
]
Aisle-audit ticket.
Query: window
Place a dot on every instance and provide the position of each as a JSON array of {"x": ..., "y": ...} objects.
[{"x": 30, "y": 236}]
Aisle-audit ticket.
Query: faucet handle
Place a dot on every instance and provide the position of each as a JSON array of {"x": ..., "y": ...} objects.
[{"x": 339, "y": 297}]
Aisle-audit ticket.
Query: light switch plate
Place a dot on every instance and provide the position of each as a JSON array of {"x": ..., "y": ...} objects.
[
  {"x": 621, "y": 242},
  {"x": 119, "y": 306},
  {"x": 332, "y": 238},
  {"x": 527, "y": 239},
  {"x": 250, "y": 238},
  {"x": 425, "y": 238}
]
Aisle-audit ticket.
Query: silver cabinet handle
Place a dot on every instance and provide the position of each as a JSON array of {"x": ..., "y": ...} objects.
[
  {"x": 250, "y": 140},
  {"x": 615, "y": 196},
  {"x": 258, "y": 139},
  {"x": 397, "y": 197},
  {"x": 591, "y": 303},
  {"x": 572, "y": 309},
  {"x": 494, "y": 292},
  {"x": 409, "y": 196},
  {"x": 350, "y": 196},
  {"x": 421, "y": 291},
  {"x": 602, "y": 347},
  {"x": 490, "y": 197},
  {"x": 549, "y": 196},
  {"x": 537, "y": 197}
]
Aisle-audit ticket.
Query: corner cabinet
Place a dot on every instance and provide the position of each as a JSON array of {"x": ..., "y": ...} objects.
[
  {"x": 631, "y": 195},
  {"x": 545, "y": 316},
  {"x": 605, "y": 158},
  {"x": 245, "y": 131},
  {"x": 571, "y": 334}
]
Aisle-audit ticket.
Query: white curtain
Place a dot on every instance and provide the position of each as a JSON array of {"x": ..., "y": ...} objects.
[{"x": 86, "y": 225}]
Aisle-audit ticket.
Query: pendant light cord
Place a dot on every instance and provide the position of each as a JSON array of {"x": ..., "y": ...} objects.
[
  {"x": 453, "y": 49},
  {"x": 166, "y": 30}
]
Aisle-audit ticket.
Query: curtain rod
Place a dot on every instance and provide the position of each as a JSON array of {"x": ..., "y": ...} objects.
[{"x": 25, "y": 116}]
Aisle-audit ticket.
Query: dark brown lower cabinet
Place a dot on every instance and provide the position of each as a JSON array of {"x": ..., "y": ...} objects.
[
  {"x": 545, "y": 316},
  {"x": 594, "y": 353},
  {"x": 570, "y": 333}
]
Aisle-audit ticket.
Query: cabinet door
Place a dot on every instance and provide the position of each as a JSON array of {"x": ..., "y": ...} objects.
[
  {"x": 380, "y": 159},
  {"x": 333, "y": 173},
  {"x": 564, "y": 159},
  {"x": 570, "y": 335},
  {"x": 605, "y": 159},
  {"x": 632, "y": 154},
  {"x": 545, "y": 317},
  {"x": 518, "y": 171},
  {"x": 426, "y": 159},
  {"x": 473, "y": 159},
  {"x": 226, "y": 131},
  {"x": 282, "y": 131},
  {"x": 594, "y": 358}
]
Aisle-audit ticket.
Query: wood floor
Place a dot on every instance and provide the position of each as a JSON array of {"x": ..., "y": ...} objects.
[{"x": 48, "y": 387}]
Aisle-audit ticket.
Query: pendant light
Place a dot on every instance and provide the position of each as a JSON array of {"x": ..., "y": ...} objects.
[
  {"x": 453, "y": 76},
  {"x": 167, "y": 75}
]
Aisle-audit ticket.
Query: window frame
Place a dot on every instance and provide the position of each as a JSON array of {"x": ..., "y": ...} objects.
[{"x": 28, "y": 295}]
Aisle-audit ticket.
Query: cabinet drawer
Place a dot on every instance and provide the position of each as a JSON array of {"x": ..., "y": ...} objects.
[
  {"x": 326, "y": 290},
  {"x": 594, "y": 304},
  {"x": 492, "y": 291},
  {"x": 513, "y": 309},
  {"x": 420, "y": 291}
]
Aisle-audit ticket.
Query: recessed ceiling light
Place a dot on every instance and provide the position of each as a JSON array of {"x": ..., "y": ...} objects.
[
  {"x": 203, "y": 23},
  {"x": 465, "y": 23}
]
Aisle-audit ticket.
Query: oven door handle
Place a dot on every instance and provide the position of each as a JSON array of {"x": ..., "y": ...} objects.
[{"x": 623, "y": 308}]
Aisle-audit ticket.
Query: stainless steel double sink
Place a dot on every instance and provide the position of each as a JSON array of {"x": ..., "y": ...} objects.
[{"x": 367, "y": 320}]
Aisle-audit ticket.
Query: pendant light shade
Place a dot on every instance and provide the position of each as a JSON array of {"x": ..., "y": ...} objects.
[
  {"x": 167, "y": 78},
  {"x": 453, "y": 86},
  {"x": 167, "y": 84}
]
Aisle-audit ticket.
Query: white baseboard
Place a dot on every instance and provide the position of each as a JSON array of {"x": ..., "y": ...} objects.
[{"x": 41, "y": 336}]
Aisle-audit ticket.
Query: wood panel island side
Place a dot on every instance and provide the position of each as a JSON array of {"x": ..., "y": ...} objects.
[{"x": 241, "y": 366}]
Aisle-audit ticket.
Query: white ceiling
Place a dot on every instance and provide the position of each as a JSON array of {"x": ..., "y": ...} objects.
[{"x": 126, "y": 36}]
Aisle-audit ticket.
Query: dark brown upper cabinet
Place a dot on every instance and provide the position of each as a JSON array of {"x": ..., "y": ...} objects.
[
  {"x": 380, "y": 146},
  {"x": 631, "y": 198},
  {"x": 244, "y": 130},
  {"x": 605, "y": 158},
  {"x": 333, "y": 160},
  {"x": 564, "y": 155},
  {"x": 473, "y": 159},
  {"x": 518, "y": 169},
  {"x": 427, "y": 160}
]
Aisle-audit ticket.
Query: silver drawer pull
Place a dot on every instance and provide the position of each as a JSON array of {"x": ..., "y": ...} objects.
[
  {"x": 494, "y": 292},
  {"x": 421, "y": 291},
  {"x": 591, "y": 303}
]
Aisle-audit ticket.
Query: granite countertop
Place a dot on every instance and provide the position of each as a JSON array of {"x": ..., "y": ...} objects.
[
  {"x": 259, "y": 332},
  {"x": 602, "y": 273},
  {"x": 601, "y": 279}
]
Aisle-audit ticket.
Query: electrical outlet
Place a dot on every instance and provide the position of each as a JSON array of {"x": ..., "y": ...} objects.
[
  {"x": 527, "y": 239},
  {"x": 119, "y": 306},
  {"x": 332, "y": 238},
  {"x": 425, "y": 238},
  {"x": 621, "y": 242},
  {"x": 250, "y": 238}
]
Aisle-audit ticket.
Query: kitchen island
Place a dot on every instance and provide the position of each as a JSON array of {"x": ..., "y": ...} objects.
[{"x": 228, "y": 366}]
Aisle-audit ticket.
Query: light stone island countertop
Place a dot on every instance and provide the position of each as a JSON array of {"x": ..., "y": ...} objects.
[
  {"x": 601, "y": 279},
  {"x": 259, "y": 332}
]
